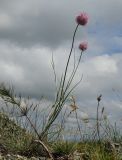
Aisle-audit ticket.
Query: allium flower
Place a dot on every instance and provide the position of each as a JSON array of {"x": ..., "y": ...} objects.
[
  {"x": 82, "y": 19},
  {"x": 83, "y": 46}
]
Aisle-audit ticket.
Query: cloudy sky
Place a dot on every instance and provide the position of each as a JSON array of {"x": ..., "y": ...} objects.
[{"x": 31, "y": 30}]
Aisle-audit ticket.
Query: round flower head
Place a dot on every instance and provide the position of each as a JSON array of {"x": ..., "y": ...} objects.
[
  {"x": 82, "y": 19},
  {"x": 83, "y": 46}
]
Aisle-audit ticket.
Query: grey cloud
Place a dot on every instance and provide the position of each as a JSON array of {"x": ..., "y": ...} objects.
[
  {"x": 37, "y": 23},
  {"x": 52, "y": 23},
  {"x": 29, "y": 71}
]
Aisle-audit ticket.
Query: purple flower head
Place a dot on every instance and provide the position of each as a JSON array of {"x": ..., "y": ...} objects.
[
  {"x": 82, "y": 19},
  {"x": 83, "y": 46}
]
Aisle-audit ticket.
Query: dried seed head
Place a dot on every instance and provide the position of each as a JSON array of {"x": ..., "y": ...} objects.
[{"x": 99, "y": 98}]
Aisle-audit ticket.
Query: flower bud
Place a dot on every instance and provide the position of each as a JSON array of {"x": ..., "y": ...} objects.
[{"x": 83, "y": 46}]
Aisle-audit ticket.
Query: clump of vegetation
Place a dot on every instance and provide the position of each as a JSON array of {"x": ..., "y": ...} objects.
[
  {"x": 12, "y": 136},
  {"x": 18, "y": 141},
  {"x": 62, "y": 148}
]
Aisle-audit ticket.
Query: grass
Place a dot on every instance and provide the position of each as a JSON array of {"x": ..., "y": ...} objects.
[
  {"x": 13, "y": 137},
  {"x": 63, "y": 147},
  {"x": 19, "y": 141}
]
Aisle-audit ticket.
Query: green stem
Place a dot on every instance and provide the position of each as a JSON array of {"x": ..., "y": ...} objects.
[
  {"x": 73, "y": 73},
  {"x": 69, "y": 59},
  {"x": 98, "y": 128}
]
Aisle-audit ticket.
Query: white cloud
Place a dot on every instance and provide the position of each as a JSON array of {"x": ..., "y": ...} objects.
[
  {"x": 10, "y": 71},
  {"x": 105, "y": 64},
  {"x": 100, "y": 65}
]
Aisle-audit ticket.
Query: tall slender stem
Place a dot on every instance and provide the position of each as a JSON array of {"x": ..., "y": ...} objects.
[
  {"x": 32, "y": 125},
  {"x": 69, "y": 59},
  {"x": 73, "y": 73},
  {"x": 98, "y": 131}
]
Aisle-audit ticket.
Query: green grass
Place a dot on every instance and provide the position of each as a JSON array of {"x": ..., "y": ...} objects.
[
  {"x": 88, "y": 150},
  {"x": 18, "y": 141},
  {"x": 13, "y": 137},
  {"x": 64, "y": 147},
  {"x": 96, "y": 151}
]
